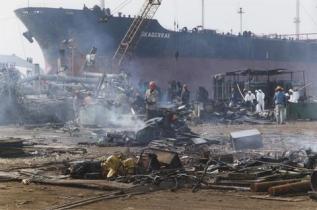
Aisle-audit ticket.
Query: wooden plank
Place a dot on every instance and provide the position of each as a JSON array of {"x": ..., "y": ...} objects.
[
  {"x": 79, "y": 183},
  {"x": 224, "y": 187},
  {"x": 264, "y": 186},
  {"x": 267, "y": 197}
]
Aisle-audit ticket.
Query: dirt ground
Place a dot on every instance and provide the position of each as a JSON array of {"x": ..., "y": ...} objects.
[{"x": 18, "y": 196}]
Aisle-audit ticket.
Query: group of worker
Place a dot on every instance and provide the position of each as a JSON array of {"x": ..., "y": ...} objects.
[
  {"x": 256, "y": 102},
  {"x": 152, "y": 98}
]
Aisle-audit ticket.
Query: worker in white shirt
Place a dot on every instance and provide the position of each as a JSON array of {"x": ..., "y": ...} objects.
[
  {"x": 261, "y": 100},
  {"x": 294, "y": 96},
  {"x": 258, "y": 100},
  {"x": 249, "y": 100}
]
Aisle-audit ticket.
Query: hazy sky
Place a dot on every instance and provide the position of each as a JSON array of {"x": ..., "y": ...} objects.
[{"x": 261, "y": 17}]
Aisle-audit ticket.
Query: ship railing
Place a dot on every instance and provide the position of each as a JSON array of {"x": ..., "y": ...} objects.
[
  {"x": 299, "y": 37},
  {"x": 7, "y": 65},
  {"x": 289, "y": 37}
]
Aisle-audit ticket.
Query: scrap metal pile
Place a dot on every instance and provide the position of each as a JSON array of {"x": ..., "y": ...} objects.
[
  {"x": 38, "y": 99},
  {"x": 24, "y": 102},
  {"x": 10, "y": 97},
  {"x": 208, "y": 166},
  {"x": 237, "y": 164},
  {"x": 131, "y": 131},
  {"x": 220, "y": 113},
  {"x": 234, "y": 164}
]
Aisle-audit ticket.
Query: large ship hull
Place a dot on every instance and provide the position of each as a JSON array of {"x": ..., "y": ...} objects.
[{"x": 160, "y": 54}]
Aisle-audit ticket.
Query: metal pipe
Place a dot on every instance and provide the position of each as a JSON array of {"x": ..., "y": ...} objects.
[
  {"x": 65, "y": 79},
  {"x": 92, "y": 74},
  {"x": 297, "y": 20},
  {"x": 203, "y": 14},
  {"x": 241, "y": 12}
]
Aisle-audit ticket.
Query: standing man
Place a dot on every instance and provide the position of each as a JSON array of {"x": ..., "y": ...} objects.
[
  {"x": 151, "y": 100},
  {"x": 202, "y": 96},
  {"x": 249, "y": 100},
  {"x": 233, "y": 98},
  {"x": 76, "y": 106},
  {"x": 172, "y": 91},
  {"x": 280, "y": 105},
  {"x": 185, "y": 95},
  {"x": 260, "y": 96},
  {"x": 262, "y": 105}
]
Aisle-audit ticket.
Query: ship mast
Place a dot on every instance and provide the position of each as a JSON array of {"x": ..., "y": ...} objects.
[
  {"x": 241, "y": 12},
  {"x": 297, "y": 19},
  {"x": 203, "y": 14},
  {"x": 102, "y": 4}
]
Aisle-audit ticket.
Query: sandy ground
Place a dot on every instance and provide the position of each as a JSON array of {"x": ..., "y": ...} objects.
[{"x": 18, "y": 196}]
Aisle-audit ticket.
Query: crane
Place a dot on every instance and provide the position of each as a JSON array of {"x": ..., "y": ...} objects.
[{"x": 129, "y": 40}]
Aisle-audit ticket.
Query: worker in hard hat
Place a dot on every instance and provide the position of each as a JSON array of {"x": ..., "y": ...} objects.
[
  {"x": 151, "y": 100},
  {"x": 280, "y": 100}
]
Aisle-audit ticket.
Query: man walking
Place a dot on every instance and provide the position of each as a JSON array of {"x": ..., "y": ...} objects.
[
  {"x": 262, "y": 101},
  {"x": 185, "y": 95},
  {"x": 280, "y": 105},
  {"x": 260, "y": 96}
]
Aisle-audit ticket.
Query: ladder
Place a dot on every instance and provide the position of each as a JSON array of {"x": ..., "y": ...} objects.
[{"x": 129, "y": 41}]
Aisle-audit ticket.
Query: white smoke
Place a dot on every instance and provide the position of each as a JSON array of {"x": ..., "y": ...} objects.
[{"x": 115, "y": 117}]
